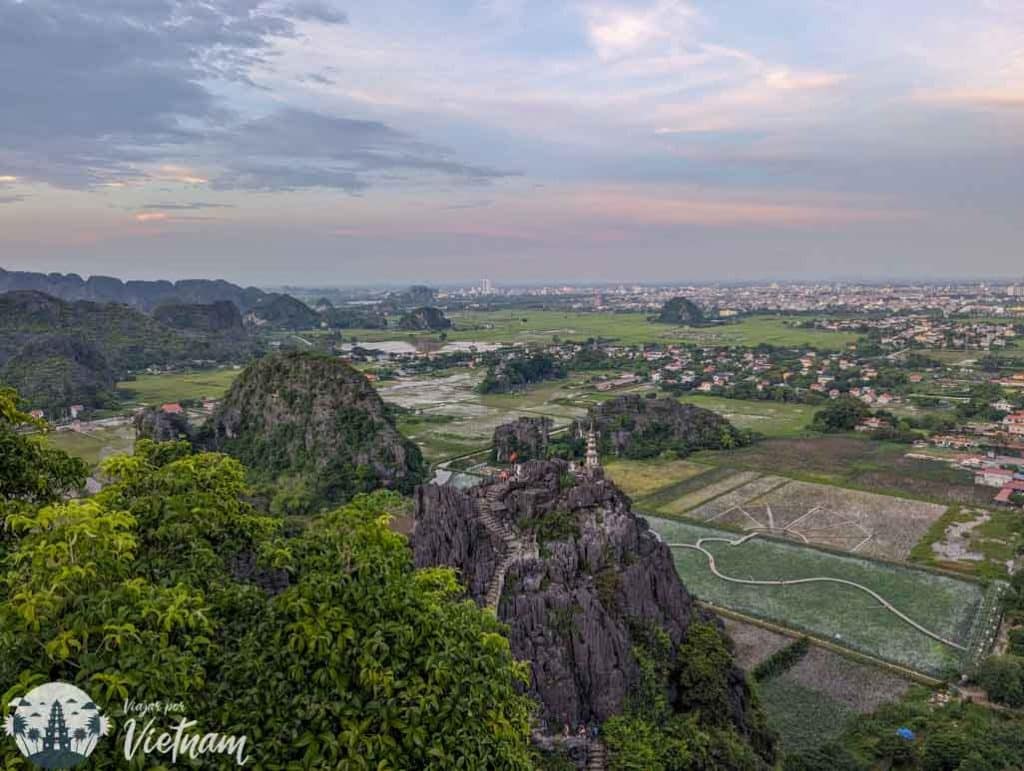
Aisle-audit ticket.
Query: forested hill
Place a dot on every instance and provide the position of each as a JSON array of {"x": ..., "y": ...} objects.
[
  {"x": 632, "y": 426},
  {"x": 97, "y": 341},
  {"x": 314, "y": 427},
  {"x": 144, "y": 295}
]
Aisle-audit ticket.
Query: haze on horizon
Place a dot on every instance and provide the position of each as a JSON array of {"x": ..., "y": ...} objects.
[{"x": 322, "y": 141}]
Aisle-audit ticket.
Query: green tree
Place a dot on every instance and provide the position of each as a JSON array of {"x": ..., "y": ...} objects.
[
  {"x": 842, "y": 414},
  {"x": 327, "y": 649}
]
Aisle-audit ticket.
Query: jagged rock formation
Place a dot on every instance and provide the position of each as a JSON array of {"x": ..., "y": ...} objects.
[
  {"x": 153, "y": 423},
  {"x": 424, "y": 319},
  {"x": 513, "y": 373},
  {"x": 282, "y": 311},
  {"x": 525, "y": 438},
  {"x": 573, "y": 572},
  {"x": 313, "y": 416},
  {"x": 143, "y": 295},
  {"x": 221, "y": 317},
  {"x": 636, "y": 427},
  {"x": 680, "y": 310},
  {"x": 53, "y": 372}
]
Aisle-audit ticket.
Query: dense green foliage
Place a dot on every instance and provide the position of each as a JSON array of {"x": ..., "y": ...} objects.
[
  {"x": 782, "y": 660},
  {"x": 957, "y": 737},
  {"x": 842, "y": 414},
  {"x": 56, "y": 371},
  {"x": 221, "y": 316},
  {"x": 1002, "y": 677},
  {"x": 633, "y": 427},
  {"x": 30, "y": 472},
  {"x": 328, "y": 651},
  {"x": 695, "y": 731},
  {"x": 510, "y": 375}
]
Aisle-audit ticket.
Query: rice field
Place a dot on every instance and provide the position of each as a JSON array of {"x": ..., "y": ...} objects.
[
  {"x": 175, "y": 386},
  {"x": 847, "y": 616}
]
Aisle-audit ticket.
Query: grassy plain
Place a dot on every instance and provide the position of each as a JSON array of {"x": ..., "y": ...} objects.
[
  {"x": 849, "y": 617},
  {"x": 96, "y": 445},
  {"x": 175, "y": 386},
  {"x": 627, "y": 328},
  {"x": 639, "y": 478},
  {"x": 774, "y": 419}
]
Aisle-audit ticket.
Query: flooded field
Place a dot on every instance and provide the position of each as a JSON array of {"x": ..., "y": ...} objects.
[{"x": 451, "y": 419}]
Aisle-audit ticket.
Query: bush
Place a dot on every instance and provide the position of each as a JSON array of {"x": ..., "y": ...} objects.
[{"x": 782, "y": 660}]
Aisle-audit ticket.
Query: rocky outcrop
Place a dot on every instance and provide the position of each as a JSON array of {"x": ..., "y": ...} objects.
[
  {"x": 424, "y": 319},
  {"x": 680, "y": 310},
  {"x": 282, "y": 311},
  {"x": 314, "y": 416},
  {"x": 160, "y": 426},
  {"x": 637, "y": 427},
  {"x": 588, "y": 574},
  {"x": 521, "y": 440}
]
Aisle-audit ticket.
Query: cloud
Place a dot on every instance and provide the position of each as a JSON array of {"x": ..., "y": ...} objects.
[
  {"x": 316, "y": 10},
  {"x": 995, "y": 98},
  {"x": 621, "y": 31},
  {"x": 191, "y": 206},
  {"x": 295, "y": 149},
  {"x": 117, "y": 92}
]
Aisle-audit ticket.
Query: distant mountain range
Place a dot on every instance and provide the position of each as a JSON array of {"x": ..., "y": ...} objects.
[{"x": 144, "y": 295}]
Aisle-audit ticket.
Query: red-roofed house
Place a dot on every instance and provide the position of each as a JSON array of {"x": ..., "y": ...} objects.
[
  {"x": 1013, "y": 423},
  {"x": 1011, "y": 487},
  {"x": 171, "y": 408}
]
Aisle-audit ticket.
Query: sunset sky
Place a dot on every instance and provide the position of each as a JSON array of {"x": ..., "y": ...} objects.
[{"x": 321, "y": 141}]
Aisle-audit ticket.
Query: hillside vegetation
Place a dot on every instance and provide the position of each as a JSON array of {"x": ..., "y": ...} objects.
[{"x": 315, "y": 424}]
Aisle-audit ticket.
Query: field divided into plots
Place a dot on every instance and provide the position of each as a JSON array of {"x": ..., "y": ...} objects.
[{"x": 945, "y": 605}]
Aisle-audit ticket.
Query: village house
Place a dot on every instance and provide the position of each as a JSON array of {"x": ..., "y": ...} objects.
[
  {"x": 993, "y": 477},
  {"x": 171, "y": 408},
  {"x": 1013, "y": 423},
  {"x": 872, "y": 424}
]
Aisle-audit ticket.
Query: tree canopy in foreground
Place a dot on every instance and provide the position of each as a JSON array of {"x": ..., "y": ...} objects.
[{"x": 326, "y": 649}]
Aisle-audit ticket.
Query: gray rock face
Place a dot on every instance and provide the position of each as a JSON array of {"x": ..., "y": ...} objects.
[
  {"x": 600, "y": 570},
  {"x": 527, "y": 438},
  {"x": 153, "y": 423}
]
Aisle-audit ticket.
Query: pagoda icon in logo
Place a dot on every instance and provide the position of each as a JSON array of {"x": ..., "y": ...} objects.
[{"x": 56, "y": 725}]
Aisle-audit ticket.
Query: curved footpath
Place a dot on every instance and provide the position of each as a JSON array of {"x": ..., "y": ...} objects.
[{"x": 792, "y": 582}]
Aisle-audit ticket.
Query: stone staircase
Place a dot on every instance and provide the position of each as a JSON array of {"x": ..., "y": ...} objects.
[
  {"x": 513, "y": 548},
  {"x": 597, "y": 756}
]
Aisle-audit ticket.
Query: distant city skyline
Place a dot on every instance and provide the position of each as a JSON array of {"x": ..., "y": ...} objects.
[{"x": 324, "y": 142}]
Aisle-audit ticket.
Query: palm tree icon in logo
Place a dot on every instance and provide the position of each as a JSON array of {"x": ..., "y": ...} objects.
[{"x": 55, "y": 725}]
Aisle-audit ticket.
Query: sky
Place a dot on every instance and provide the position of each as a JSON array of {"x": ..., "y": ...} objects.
[{"x": 331, "y": 142}]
